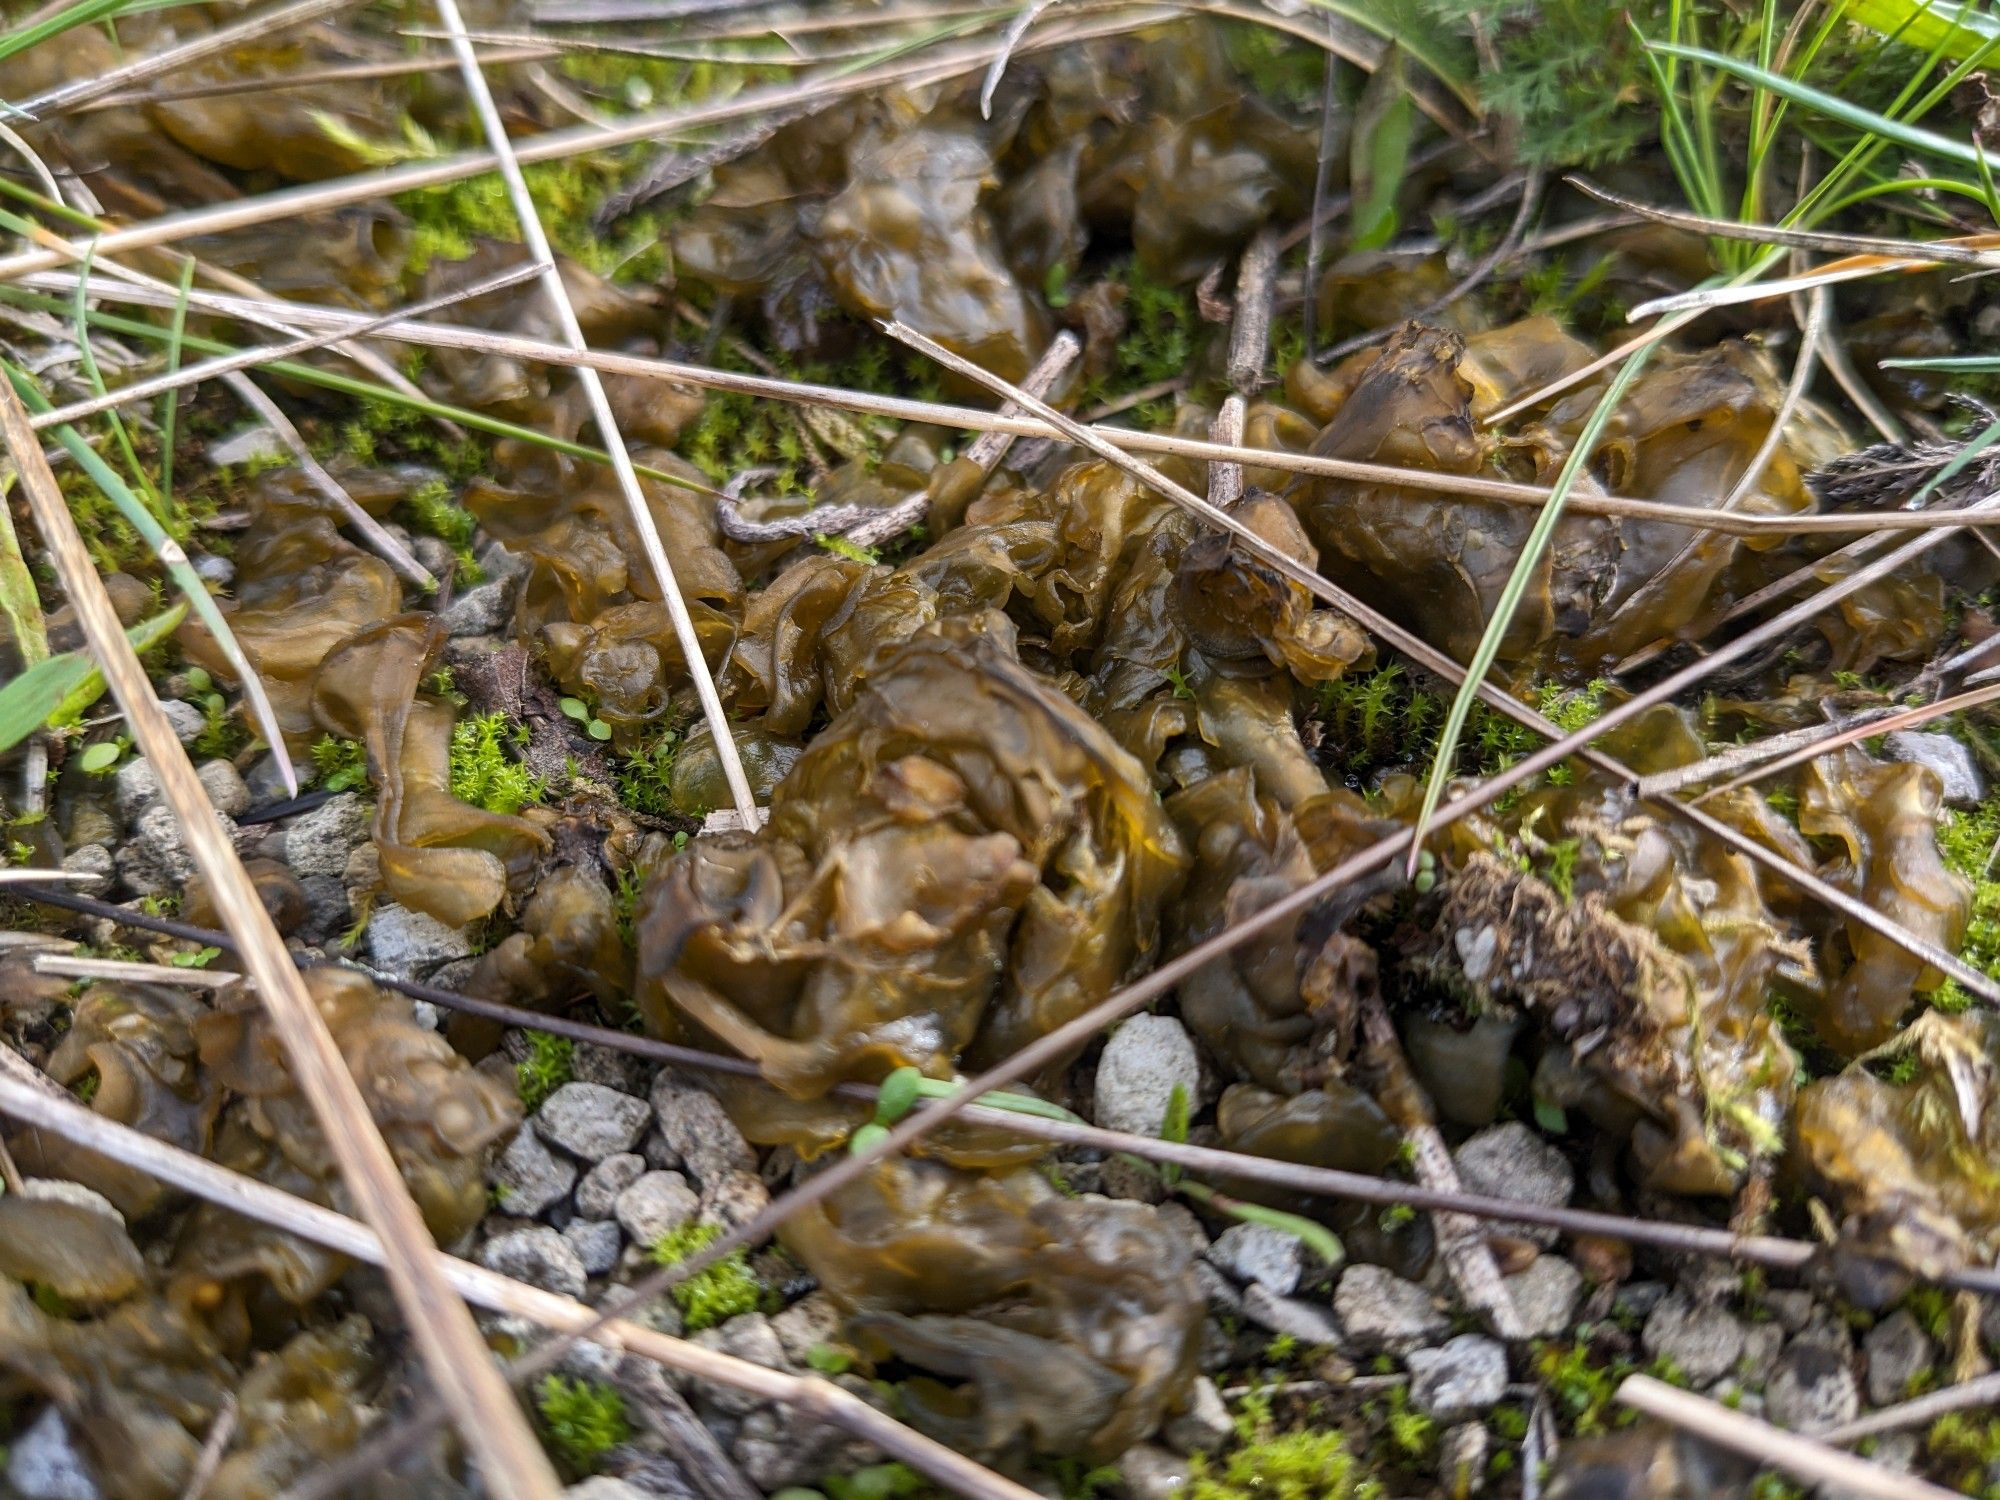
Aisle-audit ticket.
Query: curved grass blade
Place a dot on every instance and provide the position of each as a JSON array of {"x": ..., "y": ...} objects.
[
  {"x": 1936, "y": 25},
  {"x": 174, "y": 560},
  {"x": 170, "y": 403},
  {"x": 62, "y": 686},
  {"x": 1314, "y": 1235},
  {"x": 1912, "y": 136},
  {"x": 1413, "y": 43},
  {"x": 1517, "y": 588},
  {"x": 87, "y": 359}
]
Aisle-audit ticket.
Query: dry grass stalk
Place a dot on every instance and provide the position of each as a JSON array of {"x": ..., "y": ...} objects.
[
  {"x": 975, "y": 419},
  {"x": 82, "y": 90},
  {"x": 310, "y": 77},
  {"x": 132, "y": 973},
  {"x": 62, "y": 1115},
  {"x": 1772, "y": 1447},
  {"x": 457, "y": 1358},
  {"x": 543, "y": 256},
  {"x": 556, "y": 145}
]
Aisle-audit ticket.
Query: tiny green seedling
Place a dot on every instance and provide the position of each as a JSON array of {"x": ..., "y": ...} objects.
[{"x": 577, "y": 709}]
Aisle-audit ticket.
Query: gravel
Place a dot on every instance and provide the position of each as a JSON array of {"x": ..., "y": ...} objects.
[
  {"x": 655, "y": 1206},
  {"x": 596, "y": 1243},
  {"x": 734, "y": 1198},
  {"x": 318, "y": 842},
  {"x": 1145, "y": 1060},
  {"x": 477, "y": 611},
  {"x": 155, "y": 860},
  {"x": 538, "y": 1256},
  {"x": 1384, "y": 1314},
  {"x": 591, "y": 1121},
  {"x": 1309, "y": 1322},
  {"x": 1546, "y": 1295},
  {"x": 225, "y": 786},
  {"x": 408, "y": 944},
  {"x": 1258, "y": 1255},
  {"x": 134, "y": 786},
  {"x": 1465, "y": 1377},
  {"x": 1511, "y": 1161},
  {"x": 531, "y": 1178},
  {"x": 1703, "y": 1341},
  {"x": 1811, "y": 1386},
  {"x": 1898, "y": 1351},
  {"x": 186, "y": 721},
  {"x": 597, "y": 1194},
  {"x": 43, "y": 1463},
  {"x": 700, "y": 1132}
]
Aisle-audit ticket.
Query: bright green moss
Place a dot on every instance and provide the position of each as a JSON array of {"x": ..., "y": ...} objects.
[
  {"x": 1966, "y": 842},
  {"x": 483, "y": 772},
  {"x": 582, "y": 1420},
  {"x": 1303, "y": 1465},
  {"x": 713, "y": 1295},
  {"x": 342, "y": 765},
  {"x": 546, "y": 1068}
]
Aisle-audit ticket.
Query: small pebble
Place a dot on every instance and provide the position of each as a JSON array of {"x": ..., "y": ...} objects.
[
  {"x": 1465, "y": 1377},
  {"x": 591, "y": 1121},
  {"x": 656, "y": 1205}
]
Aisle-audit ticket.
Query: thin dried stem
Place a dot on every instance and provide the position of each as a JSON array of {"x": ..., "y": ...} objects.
[
  {"x": 556, "y": 145},
  {"x": 122, "y": 971},
  {"x": 1250, "y": 333},
  {"x": 1576, "y": 377},
  {"x": 638, "y": 510},
  {"x": 990, "y": 447},
  {"x": 1772, "y": 1447},
  {"x": 220, "y": 1433},
  {"x": 223, "y": 364},
  {"x": 313, "y": 77},
  {"x": 457, "y": 1359},
  {"x": 1835, "y": 737},
  {"x": 974, "y": 419},
  {"x": 1919, "y": 1411},
  {"x": 223, "y": 39},
  {"x": 62, "y": 1116}
]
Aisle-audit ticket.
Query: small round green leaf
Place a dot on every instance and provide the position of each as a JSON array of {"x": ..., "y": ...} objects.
[
  {"x": 597, "y": 729},
  {"x": 898, "y": 1095},
  {"x": 865, "y": 1138},
  {"x": 574, "y": 708},
  {"x": 99, "y": 758},
  {"x": 199, "y": 681}
]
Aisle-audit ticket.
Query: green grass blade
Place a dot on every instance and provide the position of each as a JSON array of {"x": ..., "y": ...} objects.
[
  {"x": 1937, "y": 25},
  {"x": 173, "y": 560},
  {"x": 170, "y": 403},
  {"x": 1315, "y": 1236},
  {"x": 1867, "y": 120},
  {"x": 81, "y": 14},
  {"x": 59, "y": 684},
  {"x": 1517, "y": 588},
  {"x": 144, "y": 637},
  {"x": 1955, "y": 364},
  {"x": 18, "y": 600},
  {"x": 1413, "y": 43},
  {"x": 87, "y": 358}
]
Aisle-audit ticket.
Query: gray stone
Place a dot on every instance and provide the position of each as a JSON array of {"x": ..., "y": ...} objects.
[
  {"x": 659, "y": 1155},
  {"x": 266, "y": 782},
  {"x": 1951, "y": 761},
  {"x": 434, "y": 553},
  {"x": 596, "y": 1243},
  {"x": 1703, "y": 1342},
  {"x": 734, "y": 1198},
  {"x": 328, "y": 913},
  {"x": 1546, "y": 1295},
  {"x": 1791, "y": 1308},
  {"x": 695, "y": 1125},
  {"x": 1811, "y": 1386},
  {"x": 1384, "y": 1314},
  {"x": 362, "y": 874},
  {"x": 155, "y": 861},
  {"x": 531, "y": 1178},
  {"x": 43, "y": 1462},
  {"x": 184, "y": 718},
  {"x": 318, "y": 841},
  {"x": 605, "y": 1487},
  {"x": 1258, "y": 1254},
  {"x": 808, "y": 1323},
  {"x": 134, "y": 786},
  {"x": 538, "y": 1256},
  {"x": 91, "y": 859},
  {"x": 590, "y": 1063},
  {"x": 777, "y": 1449},
  {"x": 408, "y": 944},
  {"x": 1466, "y": 1376},
  {"x": 656, "y": 1205},
  {"x": 226, "y": 788},
  {"x": 1761, "y": 1345},
  {"x": 245, "y": 445},
  {"x": 477, "y": 611},
  {"x": 1312, "y": 1324},
  {"x": 1205, "y": 1426},
  {"x": 1462, "y": 1458},
  {"x": 747, "y": 1336},
  {"x": 597, "y": 1194},
  {"x": 591, "y": 1121},
  {"x": 61, "y": 1190},
  {"x": 1145, "y": 1060},
  {"x": 1637, "y": 1299},
  {"x": 1511, "y": 1161},
  {"x": 1152, "y": 1473},
  {"x": 1898, "y": 1351}
]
